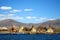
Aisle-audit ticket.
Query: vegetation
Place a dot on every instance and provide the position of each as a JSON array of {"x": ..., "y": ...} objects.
[{"x": 58, "y": 30}]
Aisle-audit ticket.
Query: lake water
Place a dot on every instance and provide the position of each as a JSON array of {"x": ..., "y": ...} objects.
[{"x": 30, "y": 37}]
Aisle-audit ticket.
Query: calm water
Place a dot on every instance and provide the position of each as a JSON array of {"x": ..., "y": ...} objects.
[{"x": 30, "y": 37}]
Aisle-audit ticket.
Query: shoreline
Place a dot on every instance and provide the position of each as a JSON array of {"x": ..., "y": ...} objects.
[{"x": 31, "y": 33}]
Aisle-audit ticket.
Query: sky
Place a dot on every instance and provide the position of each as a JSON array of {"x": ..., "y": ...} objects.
[{"x": 30, "y": 11}]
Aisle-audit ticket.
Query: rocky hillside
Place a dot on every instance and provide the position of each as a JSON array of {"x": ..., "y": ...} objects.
[
  {"x": 53, "y": 23},
  {"x": 10, "y": 22}
]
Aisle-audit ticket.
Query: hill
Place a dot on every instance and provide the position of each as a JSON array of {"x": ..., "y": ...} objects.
[
  {"x": 53, "y": 23},
  {"x": 10, "y": 22}
]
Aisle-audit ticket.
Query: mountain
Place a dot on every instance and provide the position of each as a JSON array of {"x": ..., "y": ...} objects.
[
  {"x": 53, "y": 23},
  {"x": 10, "y": 22}
]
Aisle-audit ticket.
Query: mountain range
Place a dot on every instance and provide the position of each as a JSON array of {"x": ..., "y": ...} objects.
[{"x": 10, "y": 22}]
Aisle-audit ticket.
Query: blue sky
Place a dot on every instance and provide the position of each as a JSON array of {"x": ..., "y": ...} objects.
[{"x": 30, "y": 11}]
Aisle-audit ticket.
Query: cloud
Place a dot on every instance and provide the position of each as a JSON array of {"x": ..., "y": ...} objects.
[
  {"x": 42, "y": 18},
  {"x": 10, "y": 14},
  {"x": 10, "y": 9},
  {"x": 35, "y": 19},
  {"x": 2, "y": 15},
  {"x": 14, "y": 11},
  {"x": 51, "y": 19},
  {"x": 2, "y": 18},
  {"x": 30, "y": 17},
  {"x": 5, "y": 8},
  {"x": 28, "y": 9},
  {"x": 6, "y": 16},
  {"x": 18, "y": 17}
]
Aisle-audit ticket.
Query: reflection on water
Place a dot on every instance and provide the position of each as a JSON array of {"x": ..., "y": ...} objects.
[{"x": 30, "y": 37}]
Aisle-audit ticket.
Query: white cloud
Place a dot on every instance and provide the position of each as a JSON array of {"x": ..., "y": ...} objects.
[
  {"x": 51, "y": 19},
  {"x": 14, "y": 11},
  {"x": 13, "y": 16},
  {"x": 2, "y": 15},
  {"x": 42, "y": 18},
  {"x": 10, "y": 15},
  {"x": 34, "y": 17},
  {"x": 6, "y": 16},
  {"x": 5, "y": 8},
  {"x": 28, "y": 9},
  {"x": 2, "y": 18},
  {"x": 30, "y": 17},
  {"x": 18, "y": 17}
]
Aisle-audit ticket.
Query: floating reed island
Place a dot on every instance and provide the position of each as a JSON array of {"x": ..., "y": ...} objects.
[{"x": 25, "y": 30}]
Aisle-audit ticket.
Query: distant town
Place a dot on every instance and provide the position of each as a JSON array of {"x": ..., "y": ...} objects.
[{"x": 33, "y": 30}]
